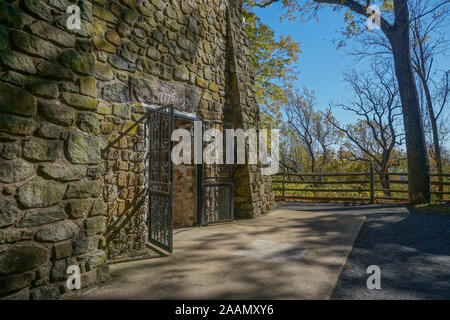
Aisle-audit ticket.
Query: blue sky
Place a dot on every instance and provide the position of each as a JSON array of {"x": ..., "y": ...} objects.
[{"x": 321, "y": 65}]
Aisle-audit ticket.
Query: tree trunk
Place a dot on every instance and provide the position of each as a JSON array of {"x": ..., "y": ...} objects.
[
  {"x": 385, "y": 181},
  {"x": 313, "y": 160},
  {"x": 436, "y": 144},
  {"x": 418, "y": 165}
]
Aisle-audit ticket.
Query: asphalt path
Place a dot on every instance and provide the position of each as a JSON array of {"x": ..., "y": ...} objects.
[{"x": 412, "y": 249}]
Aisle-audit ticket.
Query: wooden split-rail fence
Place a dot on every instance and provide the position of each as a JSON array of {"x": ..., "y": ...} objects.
[{"x": 368, "y": 187}]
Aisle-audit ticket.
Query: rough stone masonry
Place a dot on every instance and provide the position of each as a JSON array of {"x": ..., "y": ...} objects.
[{"x": 71, "y": 144}]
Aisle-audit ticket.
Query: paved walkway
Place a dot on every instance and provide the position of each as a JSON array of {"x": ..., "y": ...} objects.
[
  {"x": 412, "y": 250},
  {"x": 286, "y": 254}
]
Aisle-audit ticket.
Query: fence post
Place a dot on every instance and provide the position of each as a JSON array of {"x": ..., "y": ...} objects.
[{"x": 372, "y": 184}]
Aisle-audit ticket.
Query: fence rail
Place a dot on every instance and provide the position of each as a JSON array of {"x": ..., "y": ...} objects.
[{"x": 353, "y": 187}]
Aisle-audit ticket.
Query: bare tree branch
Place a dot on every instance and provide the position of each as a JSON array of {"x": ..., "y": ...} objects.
[{"x": 430, "y": 11}]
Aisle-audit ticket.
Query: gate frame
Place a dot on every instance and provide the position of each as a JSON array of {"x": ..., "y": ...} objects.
[
  {"x": 170, "y": 111},
  {"x": 202, "y": 186}
]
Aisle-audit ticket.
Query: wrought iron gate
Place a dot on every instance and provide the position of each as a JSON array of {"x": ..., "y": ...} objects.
[
  {"x": 160, "y": 177},
  {"x": 216, "y": 196}
]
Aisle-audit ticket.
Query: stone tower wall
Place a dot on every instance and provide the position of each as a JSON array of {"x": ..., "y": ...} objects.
[
  {"x": 51, "y": 206},
  {"x": 254, "y": 195},
  {"x": 71, "y": 134},
  {"x": 153, "y": 53}
]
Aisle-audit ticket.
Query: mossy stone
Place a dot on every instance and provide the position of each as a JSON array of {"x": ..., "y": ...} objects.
[
  {"x": 84, "y": 149},
  {"x": 40, "y": 193},
  {"x": 16, "y": 100},
  {"x": 57, "y": 113},
  {"x": 17, "y": 125},
  {"x": 15, "y": 171},
  {"x": 44, "y": 89},
  {"x": 81, "y": 62},
  {"x": 80, "y": 102}
]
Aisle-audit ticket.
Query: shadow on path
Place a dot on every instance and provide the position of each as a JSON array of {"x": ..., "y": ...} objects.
[
  {"x": 284, "y": 255},
  {"x": 412, "y": 249}
]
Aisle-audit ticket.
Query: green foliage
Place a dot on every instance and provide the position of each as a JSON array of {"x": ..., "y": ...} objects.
[
  {"x": 304, "y": 10},
  {"x": 434, "y": 207},
  {"x": 274, "y": 61}
]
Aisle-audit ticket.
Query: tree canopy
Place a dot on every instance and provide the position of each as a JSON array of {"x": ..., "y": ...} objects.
[{"x": 275, "y": 60}]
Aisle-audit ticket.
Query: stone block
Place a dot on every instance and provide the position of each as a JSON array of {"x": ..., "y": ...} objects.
[
  {"x": 113, "y": 38},
  {"x": 55, "y": 71},
  {"x": 122, "y": 110},
  {"x": 107, "y": 127},
  {"x": 17, "y": 125},
  {"x": 11, "y": 16},
  {"x": 104, "y": 108},
  {"x": 55, "y": 35},
  {"x": 95, "y": 225},
  {"x": 62, "y": 250},
  {"x": 98, "y": 208},
  {"x": 104, "y": 72},
  {"x": 64, "y": 173},
  {"x": 83, "y": 190},
  {"x": 56, "y": 232},
  {"x": 44, "y": 89},
  {"x": 88, "y": 278},
  {"x": 42, "y": 275},
  {"x": 17, "y": 61},
  {"x": 84, "y": 149},
  {"x": 11, "y": 151},
  {"x": 79, "y": 101},
  {"x": 88, "y": 122},
  {"x": 57, "y": 113},
  {"x": 9, "y": 236},
  {"x": 121, "y": 64},
  {"x": 88, "y": 86},
  {"x": 49, "y": 131},
  {"x": 16, "y": 100},
  {"x": 15, "y": 171},
  {"x": 33, "y": 219},
  {"x": 45, "y": 293},
  {"x": 15, "y": 282},
  {"x": 34, "y": 45},
  {"x": 102, "y": 273},
  {"x": 102, "y": 45},
  {"x": 42, "y": 150},
  {"x": 130, "y": 16},
  {"x": 84, "y": 245},
  {"x": 59, "y": 271},
  {"x": 104, "y": 14},
  {"x": 38, "y": 9},
  {"x": 22, "y": 258},
  {"x": 78, "y": 208},
  {"x": 94, "y": 173},
  {"x": 181, "y": 73},
  {"x": 15, "y": 78},
  {"x": 96, "y": 260}
]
